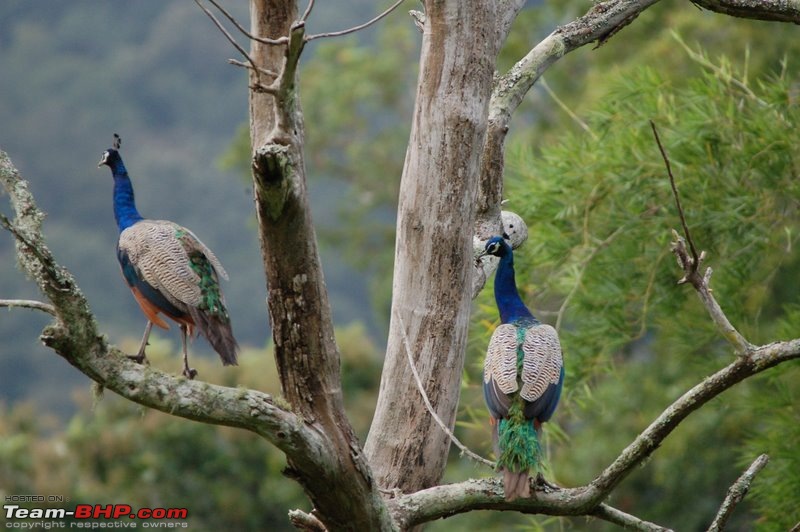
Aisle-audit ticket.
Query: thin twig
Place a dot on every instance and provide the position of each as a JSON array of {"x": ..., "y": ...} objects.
[
  {"x": 688, "y": 235},
  {"x": 690, "y": 266},
  {"x": 625, "y": 520},
  {"x": 355, "y": 28},
  {"x": 264, "y": 40},
  {"x": 27, "y": 303},
  {"x": 227, "y": 35},
  {"x": 736, "y": 493},
  {"x": 307, "y": 12},
  {"x": 238, "y": 63},
  {"x": 464, "y": 449}
]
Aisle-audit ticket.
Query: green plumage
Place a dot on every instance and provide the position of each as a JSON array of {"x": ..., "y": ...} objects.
[
  {"x": 518, "y": 441},
  {"x": 210, "y": 295}
]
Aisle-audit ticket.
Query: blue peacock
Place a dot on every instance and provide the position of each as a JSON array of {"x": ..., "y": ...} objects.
[
  {"x": 522, "y": 379},
  {"x": 170, "y": 272}
]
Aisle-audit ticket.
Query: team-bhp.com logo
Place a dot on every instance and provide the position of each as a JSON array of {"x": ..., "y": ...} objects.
[{"x": 119, "y": 514}]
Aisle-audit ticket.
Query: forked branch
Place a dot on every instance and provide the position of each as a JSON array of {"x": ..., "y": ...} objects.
[{"x": 691, "y": 264}]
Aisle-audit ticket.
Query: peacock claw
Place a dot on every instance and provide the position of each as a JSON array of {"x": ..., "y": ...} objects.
[
  {"x": 189, "y": 373},
  {"x": 540, "y": 484}
]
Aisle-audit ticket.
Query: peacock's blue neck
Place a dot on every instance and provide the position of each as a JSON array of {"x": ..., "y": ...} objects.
[
  {"x": 510, "y": 305},
  {"x": 124, "y": 204}
]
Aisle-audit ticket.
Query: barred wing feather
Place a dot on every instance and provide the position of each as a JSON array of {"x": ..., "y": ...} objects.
[
  {"x": 500, "y": 370},
  {"x": 542, "y": 363},
  {"x": 159, "y": 250},
  {"x": 542, "y": 370}
]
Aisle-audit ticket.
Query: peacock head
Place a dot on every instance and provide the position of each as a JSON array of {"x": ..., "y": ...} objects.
[
  {"x": 497, "y": 246},
  {"x": 111, "y": 156}
]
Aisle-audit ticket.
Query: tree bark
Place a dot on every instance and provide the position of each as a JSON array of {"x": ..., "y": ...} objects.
[
  {"x": 433, "y": 251},
  {"x": 339, "y": 484}
]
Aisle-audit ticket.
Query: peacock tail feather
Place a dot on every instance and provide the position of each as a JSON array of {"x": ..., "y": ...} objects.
[{"x": 517, "y": 440}]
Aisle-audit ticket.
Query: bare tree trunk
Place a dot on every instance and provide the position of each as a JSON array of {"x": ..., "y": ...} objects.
[
  {"x": 433, "y": 252},
  {"x": 339, "y": 484}
]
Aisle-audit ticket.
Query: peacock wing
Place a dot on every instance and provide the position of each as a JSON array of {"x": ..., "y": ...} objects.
[
  {"x": 542, "y": 371},
  {"x": 500, "y": 370},
  {"x": 155, "y": 250}
]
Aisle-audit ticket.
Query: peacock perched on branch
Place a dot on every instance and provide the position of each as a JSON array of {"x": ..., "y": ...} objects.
[
  {"x": 522, "y": 379},
  {"x": 170, "y": 272}
]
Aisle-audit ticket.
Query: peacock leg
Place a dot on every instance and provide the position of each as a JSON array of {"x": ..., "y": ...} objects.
[
  {"x": 188, "y": 372},
  {"x": 140, "y": 357}
]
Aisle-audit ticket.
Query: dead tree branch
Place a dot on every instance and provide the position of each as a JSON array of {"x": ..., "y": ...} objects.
[
  {"x": 625, "y": 520},
  {"x": 355, "y": 28},
  {"x": 691, "y": 264},
  {"x": 736, "y": 493},
  {"x": 75, "y": 337},
  {"x": 774, "y": 10},
  {"x": 227, "y": 34},
  {"x": 232, "y": 19},
  {"x": 306, "y": 521},
  {"x": 307, "y": 12},
  {"x": 25, "y": 303},
  {"x": 695, "y": 263},
  {"x": 487, "y": 494},
  {"x": 598, "y": 24}
]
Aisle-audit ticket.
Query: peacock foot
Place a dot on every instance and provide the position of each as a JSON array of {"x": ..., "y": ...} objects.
[{"x": 189, "y": 373}]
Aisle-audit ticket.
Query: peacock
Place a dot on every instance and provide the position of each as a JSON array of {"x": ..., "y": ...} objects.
[
  {"x": 170, "y": 272},
  {"x": 522, "y": 379}
]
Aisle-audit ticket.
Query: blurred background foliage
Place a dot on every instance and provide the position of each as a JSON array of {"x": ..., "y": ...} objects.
[{"x": 582, "y": 169}]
